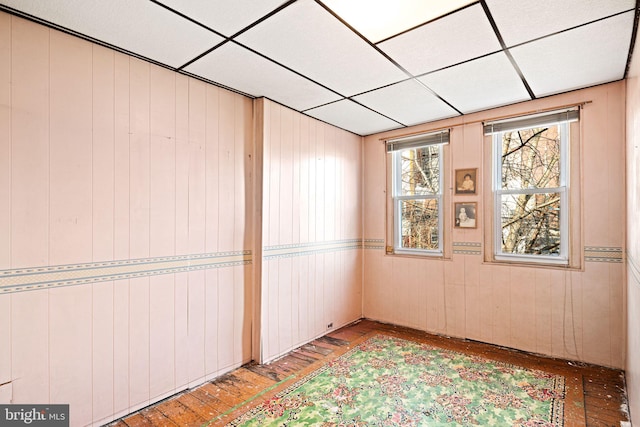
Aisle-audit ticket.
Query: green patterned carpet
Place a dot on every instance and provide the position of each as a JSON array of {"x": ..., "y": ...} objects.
[{"x": 387, "y": 381}]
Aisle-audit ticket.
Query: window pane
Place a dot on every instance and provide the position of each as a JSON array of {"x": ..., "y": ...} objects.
[
  {"x": 419, "y": 224},
  {"x": 531, "y": 224},
  {"x": 420, "y": 172},
  {"x": 531, "y": 158}
]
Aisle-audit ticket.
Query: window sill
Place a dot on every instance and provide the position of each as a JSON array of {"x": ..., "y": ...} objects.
[
  {"x": 527, "y": 262},
  {"x": 416, "y": 254}
]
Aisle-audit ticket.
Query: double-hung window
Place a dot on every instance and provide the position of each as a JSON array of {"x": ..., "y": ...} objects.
[
  {"x": 531, "y": 187},
  {"x": 417, "y": 193}
]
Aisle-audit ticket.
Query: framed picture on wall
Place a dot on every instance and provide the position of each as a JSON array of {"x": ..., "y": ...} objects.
[
  {"x": 466, "y": 181},
  {"x": 466, "y": 215}
]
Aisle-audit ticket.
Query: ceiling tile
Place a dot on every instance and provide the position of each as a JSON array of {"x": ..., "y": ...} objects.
[
  {"x": 310, "y": 40},
  {"x": 549, "y": 16},
  {"x": 481, "y": 84},
  {"x": 226, "y": 17},
  {"x": 380, "y": 19},
  {"x": 565, "y": 61},
  {"x": 238, "y": 68},
  {"x": 458, "y": 37},
  {"x": 355, "y": 118},
  {"x": 140, "y": 27},
  {"x": 408, "y": 102}
]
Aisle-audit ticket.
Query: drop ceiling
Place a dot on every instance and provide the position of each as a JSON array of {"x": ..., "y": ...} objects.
[{"x": 366, "y": 66}]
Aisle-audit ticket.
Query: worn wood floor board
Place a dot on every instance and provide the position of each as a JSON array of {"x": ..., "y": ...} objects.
[{"x": 600, "y": 391}]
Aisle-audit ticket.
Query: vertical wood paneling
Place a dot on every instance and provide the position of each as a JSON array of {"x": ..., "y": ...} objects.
[
  {"x": 162, "y": 166},
  {"x": 313, "y": 177},
  {"x": 70, "y": 157},
  {"x": 103, "y": 151},
  {"x": 139, "y": 307},
  {"x": 523, "y": 308},
  {"x": 243, "y": 311},
  {"x": 121, "y": 371},
  {"x": 181, "y": 348},
  {"x": 5, "y": 192},
  {"x": 29, "y": 144},
  {"x": 30, "y": 353},
  {"x": 617, "y": 321},
  {"x": 286, "y": 208},
  {"x": 285, "y": 305},
  {"x": 212, "y": 320},
  {"x": 597, "y": 324},
  {"x": 70, "y": 316},
  {"x": 543, "y": 312},
  {"x": 139, "y": 184},
  {"x": 197, "y": 229},
  {"x": 272, "y": 170},
  {"x": 102, "y": 350},
  {"x": 105, "y": 159},
  {"x": 213, "y": 174},
  {"x": 162, "y": 163},
  {"x": 5, "y": 141},
  {"x": 226, "y": 156},
  {"x": 121, "y": 339},
  {"x": 225, "y": 318},
  {"x": 122, "y": 157},
  {"x": 5, "y": 339},
  {"x": 161, "y": 336},
  {"x": 103, "y": 227},
  {"x": 244, "y": 181},
  {"x": 139, "y": 187}
]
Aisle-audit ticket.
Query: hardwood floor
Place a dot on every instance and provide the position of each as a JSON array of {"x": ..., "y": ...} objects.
[{"x": 212, "y": 403}]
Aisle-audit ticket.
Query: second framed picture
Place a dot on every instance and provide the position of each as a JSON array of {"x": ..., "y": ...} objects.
[
  {"x": 466, "y": 215},
  {"x": 466, "y": 181}
]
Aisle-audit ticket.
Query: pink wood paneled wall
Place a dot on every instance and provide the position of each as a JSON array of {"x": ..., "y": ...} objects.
[
  {"x": 311, "y": 198},
  {"x": 571, "y": 314},
  {"x": 104, "y": 157},
  {"x": 633, "y": 238}
]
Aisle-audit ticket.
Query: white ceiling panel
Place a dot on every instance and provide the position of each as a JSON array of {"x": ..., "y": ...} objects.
[
  {"x": 140, "y": 27},
  {"x": 348, "y": 115},
  {"x": 408, "y": 102},
  {"x": 226, "y": 17},
  {"x": 536, "y": 18},
  {"x": 459, "y": 37},
  {"x": 380, "y": 19},
  {"x": 313, "y": 42},
  {"x": 236, "y": 67},
  {"x": 566, "y": 61},
  {"x": 481, "y": 84}
]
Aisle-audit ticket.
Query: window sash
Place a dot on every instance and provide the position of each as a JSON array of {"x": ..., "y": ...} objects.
[
  {"x": 398, "y": 198},
  {"x": 562, "y": 189},
  {"x": 562, "y": 257}
]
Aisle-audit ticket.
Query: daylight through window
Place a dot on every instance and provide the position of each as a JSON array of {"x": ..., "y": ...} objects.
[
  {"x": 417, "y": 194},
  {"x": 531, "y": 190}
]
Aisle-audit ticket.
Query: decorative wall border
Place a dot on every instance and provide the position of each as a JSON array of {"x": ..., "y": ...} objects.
[
  {"x": 602, "y": 254},
  {"x": 373, "y": 244},
  {"x": 35, "y": 278},
  {"x": 467, "y": 248},
  {"x": 301, "y": 249}
]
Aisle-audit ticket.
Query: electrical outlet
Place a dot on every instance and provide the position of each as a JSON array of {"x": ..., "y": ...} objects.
[{"x": 330, "y": 325}]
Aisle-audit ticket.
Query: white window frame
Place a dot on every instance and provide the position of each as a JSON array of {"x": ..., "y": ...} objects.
[
  {"x": 563, "y": 189},
  {"x": 397, "y": 198}
]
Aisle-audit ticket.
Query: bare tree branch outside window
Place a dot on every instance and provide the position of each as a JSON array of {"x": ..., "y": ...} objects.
[
  {"x": 419, "y": 205},
  {"x": 530, "y": 174}
]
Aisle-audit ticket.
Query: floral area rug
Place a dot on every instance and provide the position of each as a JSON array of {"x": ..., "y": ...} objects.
[{"x": 388, "y": 381}]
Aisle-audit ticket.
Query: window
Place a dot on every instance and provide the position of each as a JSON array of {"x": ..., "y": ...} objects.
[
  {"x": 417, "y": 193},
  {"x": 531, "y": 187}
]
